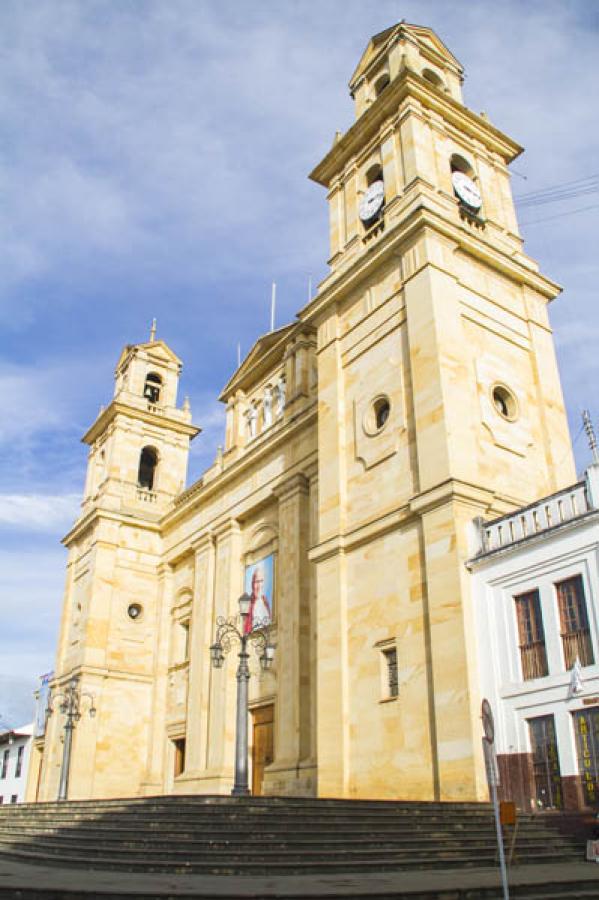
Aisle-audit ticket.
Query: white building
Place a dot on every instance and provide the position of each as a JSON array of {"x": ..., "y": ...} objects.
[
  {"x": 15, "y": 747},
  {"x": 536, "y": 598}
]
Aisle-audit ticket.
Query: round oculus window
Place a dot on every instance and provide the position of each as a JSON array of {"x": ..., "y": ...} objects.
[
  {"x": 134, "y": 610},
  {"x": 504, "y": 402}
]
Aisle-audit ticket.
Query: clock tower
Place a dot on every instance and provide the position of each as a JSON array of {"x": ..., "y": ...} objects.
[{"x": 439, "y": 401}]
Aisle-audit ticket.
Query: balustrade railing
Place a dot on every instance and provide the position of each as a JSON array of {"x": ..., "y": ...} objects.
[
  {"x": 147, "y": 496},
  {"x": 534, "y": 660},
  {"x": 530, "y": 520},
  {"x": 577, "y": 644}
]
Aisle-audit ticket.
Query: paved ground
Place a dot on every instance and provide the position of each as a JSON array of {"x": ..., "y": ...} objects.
[{"x": 23, "y": 880}]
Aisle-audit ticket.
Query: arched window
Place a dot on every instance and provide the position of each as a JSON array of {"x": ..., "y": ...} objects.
[
  {"x": 433, "y": 78},
  {"x": 152, "y": 387},
  {"x": 372, "y": 202},
  {"x": 381, "y": 83},
  {"x": 374, "y": 173},
  {"x": 148, "y": 461},
  {"x": 457, "y": 163}
]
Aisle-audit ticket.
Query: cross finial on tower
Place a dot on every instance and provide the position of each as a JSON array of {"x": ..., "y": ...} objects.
[
  {"x": 153, "y": 331},
  {"x": 588, "y": 427}
]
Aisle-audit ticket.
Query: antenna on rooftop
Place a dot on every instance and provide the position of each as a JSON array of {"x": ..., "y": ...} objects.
[
  {"x": 273, "y": 303},
  {"x": 153, "y": 331},
  {"x": 588, "y": 427}
]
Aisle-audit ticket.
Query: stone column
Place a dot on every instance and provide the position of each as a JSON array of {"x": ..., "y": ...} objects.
[
  {"x": 291, "y": 772},
  {"x": 336, "y": 220},
  {"x": 329, "y": 559},
  {"x": 155, "y": 777},
  {"x": 200, "y": 672},
  {"x": 219, "y": 740}
]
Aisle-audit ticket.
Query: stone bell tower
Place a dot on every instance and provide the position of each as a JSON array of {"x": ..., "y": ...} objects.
[
  {"x": 139, "y": 446},
  {"x": 139, "y": 443},
  {"x": 439, "y": 400}
]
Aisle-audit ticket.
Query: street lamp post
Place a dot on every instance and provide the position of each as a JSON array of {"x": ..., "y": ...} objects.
[
  {"x": 69, "y": 702},
  {"x": 227, "y": 633}
]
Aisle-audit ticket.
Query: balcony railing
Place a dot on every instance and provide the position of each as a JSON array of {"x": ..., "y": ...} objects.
[
  {"x": 146, "y": 495},
  {"x": 578, "y": 644},
  {"x": 530, "y": 520},
  {"x": 534, "y": 660}
]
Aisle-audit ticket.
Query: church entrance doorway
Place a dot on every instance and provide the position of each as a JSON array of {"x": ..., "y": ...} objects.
[{"x": 262, "y": 744}]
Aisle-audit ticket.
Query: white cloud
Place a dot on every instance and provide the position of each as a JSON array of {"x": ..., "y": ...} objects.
[
  {"x": 17, "y": 704},
  {"x": 38, "y": 511},
  {"x": 31, "y": 400},
  {"x": 31, "y": 588}
]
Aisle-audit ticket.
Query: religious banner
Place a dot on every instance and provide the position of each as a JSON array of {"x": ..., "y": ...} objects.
[
  {"x": 259, "y": 584},
  {"x": 41, "y": 706}
]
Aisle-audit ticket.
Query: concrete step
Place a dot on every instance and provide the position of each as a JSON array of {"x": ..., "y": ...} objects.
[
  {"x": 105, "y": 834},
  {"x": 273, "y": 868},
  {"x": 199, "y": 851},
  {"x": 264, "y": 836}
]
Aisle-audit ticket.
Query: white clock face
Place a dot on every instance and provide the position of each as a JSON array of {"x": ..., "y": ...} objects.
[
  {"x": 372, "y": 201},
  {"x": 466, "y": 190}
]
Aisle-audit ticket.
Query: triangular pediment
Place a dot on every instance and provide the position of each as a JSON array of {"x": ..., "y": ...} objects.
[
  {"x": 371, "y": 51},
  {"x": 265, "y": 353},
  {"x": 428, "y": 37},
  {"x": 378, "y": 43},
  {"x": 156, "y": 350}
]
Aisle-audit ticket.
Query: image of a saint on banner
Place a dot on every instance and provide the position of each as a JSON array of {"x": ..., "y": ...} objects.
[{"x": 259, "y": 582}]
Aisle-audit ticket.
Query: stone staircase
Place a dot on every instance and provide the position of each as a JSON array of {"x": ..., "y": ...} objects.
[{"x": 275, "y": 837}]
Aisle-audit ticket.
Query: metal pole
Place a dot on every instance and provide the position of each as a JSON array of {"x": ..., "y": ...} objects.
[
  {"x": 506, "y": 892},
  {"x": 63, "y": 786},
  {"x": 240, "y": 787}
]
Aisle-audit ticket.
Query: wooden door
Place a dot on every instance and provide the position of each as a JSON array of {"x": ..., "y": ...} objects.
[{"x": 263, "y": 746}]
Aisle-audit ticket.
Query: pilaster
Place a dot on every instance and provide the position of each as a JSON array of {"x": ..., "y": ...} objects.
[
  {"x": 199, "y": 735},
  {"x": 155, "y": 777},
  {"x": 292, "y": 771},
  {"x": 220, "y": 735}
]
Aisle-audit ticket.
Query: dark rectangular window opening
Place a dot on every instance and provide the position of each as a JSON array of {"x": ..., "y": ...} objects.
[
  {"x": 185, "y": 627},
  {"x": 5, "y": 756},
  {"x": 392, "y": 680},
  {"x": 19, "y": 764},
  {"x": 13, "y": 798},
  {"x": 179, "y": 756},
  {"x": 531, "y": 636},
  {"x": 574, "y": 622}
]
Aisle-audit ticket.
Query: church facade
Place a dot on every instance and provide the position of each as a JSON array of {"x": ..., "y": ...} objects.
[{"x": 416, "y": 392}]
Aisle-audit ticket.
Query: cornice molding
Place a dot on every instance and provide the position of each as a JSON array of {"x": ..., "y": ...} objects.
[
  {"x": 250, "y": 458},
  {"x": 439, "y": 495},
  {"x": 392, "y": 241},
  {"x": 408, "y": 84},
  {"x": 116, "y": 408},
  {"x": 91, "y": 519}
]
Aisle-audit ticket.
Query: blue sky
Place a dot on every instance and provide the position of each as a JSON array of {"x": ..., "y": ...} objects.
[{"x": 153, "y": 162}]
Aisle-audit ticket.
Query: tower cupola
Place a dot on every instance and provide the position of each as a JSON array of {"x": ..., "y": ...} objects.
[{"x": 402, "y": 47}]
